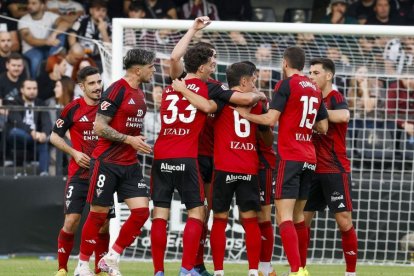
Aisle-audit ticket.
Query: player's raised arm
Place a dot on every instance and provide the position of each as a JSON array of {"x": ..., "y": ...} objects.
[
  {"x": 199, "y": 102},
  {"x": 177, "y": 66}
]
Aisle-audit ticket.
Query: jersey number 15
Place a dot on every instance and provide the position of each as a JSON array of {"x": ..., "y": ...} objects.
[{"x": 308, "y": 109}]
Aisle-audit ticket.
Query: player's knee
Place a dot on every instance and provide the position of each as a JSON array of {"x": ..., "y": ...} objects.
[
  {"x": 344, "y": 221},
  {"x": 71, "y": 224},
  {"x": 197, "y": 213},
  {"x": 140, "y": 214}
]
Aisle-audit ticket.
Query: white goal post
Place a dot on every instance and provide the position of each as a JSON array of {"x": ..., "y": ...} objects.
[{"x": 380, "y": 151}]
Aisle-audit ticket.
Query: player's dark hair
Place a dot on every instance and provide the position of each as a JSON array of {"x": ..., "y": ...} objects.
[
  {"x": 238, "y": 70},
  {"x": 204, "y": 44},
  {"x": 14, "y": 55},
  {"x": 86, "y": 72},
  {"x": 195, "y": 57},
  {"x": 138, "y": 57},
  {"x": 327, "y": 64},
  {"x": 295, "y": 57}
]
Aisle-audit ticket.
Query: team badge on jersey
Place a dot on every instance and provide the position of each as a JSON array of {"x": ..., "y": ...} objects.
[
  {"x": 105, "y": 105},
  {"x": 59, "y": 123}
]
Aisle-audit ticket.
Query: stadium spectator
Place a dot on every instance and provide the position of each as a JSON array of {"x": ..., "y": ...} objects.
[
  {"x": 195, "y": 8},
  {"x": 383, "y": 15},
  {"x": 75, "y": 54},
  {"x": 136, "y": 9},
  {"x": 152, "y": 122},
  {"x": 78, "y": 119},
  {"x": 406, "y": 11},
  {"x": 17, "y": 8},
  {"x": 55, "y": 69},
  {"x": 338, "y": 14},
  {"x": 234, "y": 10},
  {"x": 67, "y": 9},
  {"x": 117, "y": 9},
  {"x": 310, "y": 44},
  {"x": 5, "y": 49},
  {"x": 118, "y": 123},
  {"x": 263, "y": 54},
  {"x": 95, "y": 26},
  {"x": 8, "y": 25},
  {"x": 82, "y": 63},
  {"x": 161, "y": 9},
  {"x": 12, "y": 79},
  {"x": 364, "y": 94},
  {"x": 28, "y": 130},
  {"x": 64, "y": 91},
  {"x": 294, "y": 143},
  {"x": 162, "y": 40},
  {"x": 400, "y": 104},
  {"x": 362, "y": 10},
  {"x": 39, "y": 41}
]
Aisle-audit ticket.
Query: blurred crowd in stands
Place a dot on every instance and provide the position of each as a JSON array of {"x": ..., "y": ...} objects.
[{"x": 43, "y": 44}]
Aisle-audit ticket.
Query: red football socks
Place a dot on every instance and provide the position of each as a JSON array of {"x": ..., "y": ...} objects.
[
  {"x": 101, "y": 248},
  {"x": 268, "y": 240},
  {"x": 290, "y": 244},
  {"x": 302, "y": 233},
  {"x": 158, "y": 243},
  {"x": 200, "y": 254},
  {"x": 253, "y": 241},
  {"x": 218, "y": 242},
  {"x": 350, "y": 248},
  {"x": 65, "y": 245},
  {"x": 131, "y": 229},
  {"x": 191, "y": 241},
  {"x": 90, "y": 231}
]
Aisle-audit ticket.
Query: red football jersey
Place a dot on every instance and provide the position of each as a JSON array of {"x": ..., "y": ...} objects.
[
  {"x": 78, "y": 118},
  {"x": 300, "y": 103},
  {"x": 216, "y": 90},
  {"x": 126, "y": 106},
  {"x": 235, "y": 144},
  {"x": 181, "y": 123},
  {"x": 331, "y": 148}
]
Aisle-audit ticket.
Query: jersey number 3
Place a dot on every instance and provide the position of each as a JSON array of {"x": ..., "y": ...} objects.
[
  {"x": 174, "y": 111},
  {"x": 308, "y": 109}
]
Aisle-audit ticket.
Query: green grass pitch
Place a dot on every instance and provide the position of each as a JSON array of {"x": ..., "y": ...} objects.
[{"x": 36, "y": 267}]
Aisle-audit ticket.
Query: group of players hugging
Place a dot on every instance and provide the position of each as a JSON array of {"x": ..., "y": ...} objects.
[{"x": 214, "y": 142}]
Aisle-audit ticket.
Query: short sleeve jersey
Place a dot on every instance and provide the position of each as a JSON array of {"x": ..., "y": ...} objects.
[
  {"x": 126, "y": 106},
  {"x": 300, "y": 103},
  {"x": 181, "y": 123},
  {"x": 331, "y": 148},
  {"x": 235, "y": 148},
  {"x": 220, "y": 92},
  {"x": 78, "y": 117}
]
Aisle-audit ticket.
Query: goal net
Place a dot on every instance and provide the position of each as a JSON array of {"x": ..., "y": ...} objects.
[{"x": 375, "y": 72}]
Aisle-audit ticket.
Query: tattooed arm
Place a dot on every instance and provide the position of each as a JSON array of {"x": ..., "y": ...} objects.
[{"x": 103, "y": 129}]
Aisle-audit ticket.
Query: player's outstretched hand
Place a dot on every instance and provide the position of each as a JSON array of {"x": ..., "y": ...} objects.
[
  {"x": 179, "y": 85},
  {"x": 201, "y": 22},
  {"x": 81, "y": 159},
  {"x": 243, "y": 110},
  {"x": 138, "y": 143}
]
